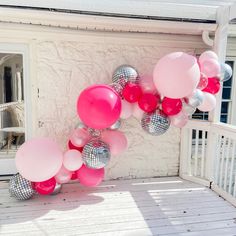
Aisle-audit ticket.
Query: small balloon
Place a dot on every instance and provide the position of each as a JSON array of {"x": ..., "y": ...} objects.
[
  {"x": 79, "y": 137},
  {"x": 132, "y": 92},
  {"x": 124, "y": 74},
  {"x": 72, "y": 160},
  {"x": 71, "y": 146},
  {"x": 179, "y": 120},
  {"x": 210, "y": 68},
  {"x": 20, "y": 188},
  {"x": 126, "y": 109},
  {"x": 195, "y": 99},
  {"x": 203, "y": 82},
  {"x": 187, "y": 109},
  {"x": 63, "y": 176},
  {"x": 74, "y": 175},
  {"x": 209, "y": 102},
  {"x": 116, "y": 125},
  {"x": 96, "y": 154},
  {"x": 147, "y": 85},
  {"x": 155, "y": 123},
  {"x": 226, "y": 72},
  {"x": 148, "y": 102},
  {"x": 207, "y": 55},
  {"x": 171, "y": 106},
  {"x": 45, "y": 187},
  {"x": 137, "y": 111},
  {"x": 213, "y": 86},
  {"x": 57, "y": 189}
]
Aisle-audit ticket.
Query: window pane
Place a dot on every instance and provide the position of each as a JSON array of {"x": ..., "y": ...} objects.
[
  {"x": 223, "y": 118},
  {"x": 224, "y": 107}
]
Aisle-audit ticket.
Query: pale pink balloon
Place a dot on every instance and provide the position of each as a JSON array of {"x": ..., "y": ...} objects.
[
  {"x": 116, "y": 140},
  {"x": 147, "y": 84},
  {"x": 72, "y": 160},
  {"x": 207, "y": 55},
  {"x": 179, "y": 120},
  {"x": 63, "y": 176},
  {"x": 126, "y": 109},
  {"x": 39, "y": 159},
  {"x": 176, "y": 75},
  {"x": 137, "y": 111},
  {"x": 210, "y": 68},
  {"x": 209, "y": 102},
  {"x": 79, "y": 137}
]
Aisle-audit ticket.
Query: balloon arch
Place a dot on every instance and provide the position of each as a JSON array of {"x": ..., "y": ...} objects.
[{"x": 180, "y": 84}]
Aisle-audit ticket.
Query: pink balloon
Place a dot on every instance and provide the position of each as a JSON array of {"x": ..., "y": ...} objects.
[
  {"x": 203, "y": 82},
  {"x": 79, "y": 137},
  {"x": 207, "y": 55},
  {"x": 72, "y": 160},
  {"x": 137, "y": 111},
  {"x": 116, "y": 140},
  {"x": 90, "y": 177},
  {"x": 179, "y": 120},
  {"x": 99, "y": 106},
  {"x": 126, "y": 110},
  {"x": 147, "y": 85},
  {"x": 176, "y": 75},
  {"x": 63, "y": 176},
  {"x": 209, "y": 102},
  {"x": 39, "y": 159},
  {"x": 46, "y": 187},
  {"x": 210, "y": 68}
]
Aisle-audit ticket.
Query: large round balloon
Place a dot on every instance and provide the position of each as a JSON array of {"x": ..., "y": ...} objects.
[
  {"x": 176, "y": 75},
  {"x": 39, "y": 159},
  {"x": 99, "y": 106}
]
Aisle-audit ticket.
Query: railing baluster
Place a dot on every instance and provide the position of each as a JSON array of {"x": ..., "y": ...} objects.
[
  {"x": 222, "y": 162},
  {"x": 203, "y": 154},
  {"x": 196, "y": 153},
  {"x": 232, "y": 168},
  {"x": 190, "y": 152},
  {"x": 226, "y": 164},
  {"x": 217, "y": 165}
]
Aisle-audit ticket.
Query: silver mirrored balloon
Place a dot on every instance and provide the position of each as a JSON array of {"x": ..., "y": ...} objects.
[
  {"x": 96, "y": 154},
  {"x": 20, "y": 188},
  {"x": 189, "y": 110},
  {"x": 94, "y": 132},
  {"x": 195, "y": 99},
  {"x": 155, "y": 123},
  {"x": 124, "y": 74},
  {"x": 226, "y": 72},
  {"x": 57, "y": 189},
  {"x": 118, "y": 88},
  {"x": 116, "y": 125}
]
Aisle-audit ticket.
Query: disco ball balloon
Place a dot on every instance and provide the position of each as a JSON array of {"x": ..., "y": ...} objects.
[
  {"x": 20, "y": 188},
  {"x": 195, "y": 99},
  {"x": 57, "y": 189},
  {"x": 226, "y": 72},
  {"x": 155, "y": 123},
  {"x": 118, "y": 88},
  {"x": 124, "y": 74},
  {"x": 94, "y": 132},
  {"x": 116, "y": 125},
  {"x": 188, "y": 109},
  {"x": 96, "y": 154}
]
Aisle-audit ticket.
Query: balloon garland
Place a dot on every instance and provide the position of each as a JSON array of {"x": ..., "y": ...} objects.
[{"x": 180, "y": 84}]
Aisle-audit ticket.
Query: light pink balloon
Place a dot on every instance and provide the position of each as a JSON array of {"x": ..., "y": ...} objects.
[
  {"x": 39, "y": 159},
  {"x": 137, "y": 111},
  {"x": 179, "y": 120},
  {"x": 207, "y": 55},
  {"x": 126, "y": 109},
  {"x": 63, "y": 176},
  {"x": 72, "y": 160},
  {"x": 79, "y": 137},
  {"x": 210, "y": 68},
  {"x": 116, "y": 140},
  {"x": 209, "y": 102},
  {"x": 147, "y": 84},
  {"x": 176, "y": 75}
]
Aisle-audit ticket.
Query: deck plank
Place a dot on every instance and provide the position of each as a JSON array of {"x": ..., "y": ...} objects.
[{"x": 158, "y": 206}]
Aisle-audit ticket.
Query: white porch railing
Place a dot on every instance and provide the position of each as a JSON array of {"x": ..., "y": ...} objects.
[{"x": 208, "y": 152}]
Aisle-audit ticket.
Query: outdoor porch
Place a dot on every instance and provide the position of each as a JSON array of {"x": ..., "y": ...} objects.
[{"x": 157, "y": 206}]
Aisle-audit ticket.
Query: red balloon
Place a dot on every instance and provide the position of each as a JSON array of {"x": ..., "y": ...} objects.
[
  {"x": 148, "y": 102},
  {"x": 171, "y": 106},
  {"x": 99, "y": 106},
  {"x": 45, "y": 187},
  {"x": 74, "y": 176},
  {"x": 213, "y": 86},
  {"x": 70, "y": 145},
  {"x": 132, "y": 92}
]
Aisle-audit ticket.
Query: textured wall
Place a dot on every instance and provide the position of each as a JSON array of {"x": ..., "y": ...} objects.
[{"x": 65, "y": 68}]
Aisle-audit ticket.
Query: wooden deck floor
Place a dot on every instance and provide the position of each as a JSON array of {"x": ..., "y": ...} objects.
[{"x": 160, "y": 206}]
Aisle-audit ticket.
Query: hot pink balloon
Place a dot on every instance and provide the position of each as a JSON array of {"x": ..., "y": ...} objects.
[
  {"x": 176, "y": 75},
  {"x": 79, "y": 137},
  {"x": 179, "y": 120},
  {"x": 147, "y": 85},
  {"x": 137, "y": 111},
  {"x": 207, "y": 55},
  {"x": 210, "y": 68},
  {"x": 72, "y": 160},
  {"x": 90, "y": 177},
  {"x": 63, "y": 176},
  {"x": 46, "y": 187},
  {"x": 39, "y": 159},
  {"x": 99, "y": 106},
  {"x": 126, "y": 110},
  {"x": 209, "y": 102},
  {"x": 116, "y": 140}
]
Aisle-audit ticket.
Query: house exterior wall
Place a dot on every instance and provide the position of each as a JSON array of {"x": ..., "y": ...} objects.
[{"x": 63, "y": 62}]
